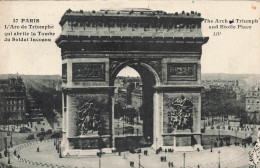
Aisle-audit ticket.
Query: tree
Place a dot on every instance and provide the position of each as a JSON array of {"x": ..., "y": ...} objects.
[
  {"x": 221, "y": 102},
  {"x": 131, "y": 113},
  {"x": 118, "y": 110}
]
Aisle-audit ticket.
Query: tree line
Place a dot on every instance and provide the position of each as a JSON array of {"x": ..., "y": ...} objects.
[{"x": 222, "y": 102}]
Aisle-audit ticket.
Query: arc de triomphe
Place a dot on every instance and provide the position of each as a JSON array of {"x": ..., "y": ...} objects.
[{"x": 164, "y": 48}]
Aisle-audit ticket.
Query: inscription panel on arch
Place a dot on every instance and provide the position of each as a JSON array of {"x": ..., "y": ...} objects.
[
  {"x": 181, "y": 71},
  {"x": 88, "y": 71}
]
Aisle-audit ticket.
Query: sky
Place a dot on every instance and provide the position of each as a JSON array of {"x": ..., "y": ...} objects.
[{"x": 234, "y": 51}]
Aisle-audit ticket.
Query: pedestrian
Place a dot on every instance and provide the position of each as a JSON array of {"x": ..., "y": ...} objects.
[
  {"x": 38, "y": 149},
  {"x": 169, "y": 164}
]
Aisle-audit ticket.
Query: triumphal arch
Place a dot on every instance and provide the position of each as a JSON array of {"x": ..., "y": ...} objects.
[{"x": 164, "y": 48}]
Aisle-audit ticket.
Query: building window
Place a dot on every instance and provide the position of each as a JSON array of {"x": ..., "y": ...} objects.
[
  {"x": 248, "y": 101},
  {"x": 253, "y": 101}
]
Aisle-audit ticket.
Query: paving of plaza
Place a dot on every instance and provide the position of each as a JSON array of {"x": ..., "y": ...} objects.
[{"x": 230, "y": 157}]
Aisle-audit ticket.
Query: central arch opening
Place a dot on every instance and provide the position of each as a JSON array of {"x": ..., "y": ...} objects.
[{"x": 133, "y": 106}]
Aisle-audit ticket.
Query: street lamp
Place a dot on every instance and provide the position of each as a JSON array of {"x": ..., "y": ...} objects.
[
  {"x": 5, "y": 141},
  {"x": 58, "y": 146},
  {"x": 139, "y": 156},
  {"x": 8, "y": 153},
  {"x": 60, "y": 149},
  {"x": 211, "y": 143},
  {"x": 123, "y": 128},
  {"x": 11, "y": 141},
  {"x": 218, "y": 159},
  {"x": 219, "y": 134},
  {"x": 100, "y": 145},
  {"x": 156, "y": 143},
  {"x": 183, "y": 160}
]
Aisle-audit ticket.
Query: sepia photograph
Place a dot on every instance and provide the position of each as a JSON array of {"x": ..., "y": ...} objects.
[{"x": 130, "y": 84}]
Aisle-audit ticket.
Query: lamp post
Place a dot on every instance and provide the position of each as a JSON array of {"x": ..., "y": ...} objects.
[
  {"x": 184, "y": 160},
  {"x": 11, "y": 141},
  {"x": 139, "y": 156},
  {"x": 156, "y": 143},
  {"x": 219, "y": 134},
  {"x": 100, "y": 145},
  {"x": 218, "y": 159},
  {"x": 58, "y": 146},
  {"x": 204, "y": 123},
  {"x": 211, "y": 142},
  {"x": 8, "y": 154},
  {"x": 5, "y": 141},
  {"x": 60, "y": 149},
  {"x": 236, "y": 134},
  {"x": 123, "y": 128}
]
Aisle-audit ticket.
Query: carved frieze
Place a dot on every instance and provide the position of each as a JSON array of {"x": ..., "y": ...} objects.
[
  {"x": 160, "y": 26},
  {"x": 64, "y": 72},
  {"x": 181, "y": 72},
  {"x": 156, "y": 65},
  {"x": 114, "y": 63},
  {"x": 179, "y": 109},
  {"x": 88, "y": 71},
  {"x": 92, "y": 114}
]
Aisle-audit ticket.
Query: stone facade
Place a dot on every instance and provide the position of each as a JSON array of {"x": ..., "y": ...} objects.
[
  {"x": 12, "y": 100},
  {"x": 164, "y": 48},
  {"x": 253, "y": 105}
]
